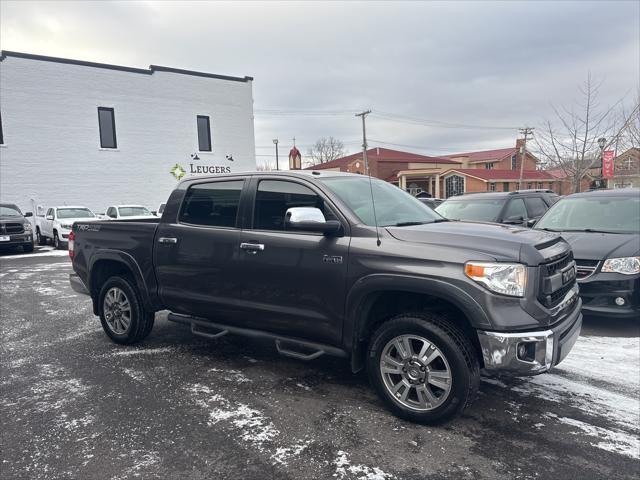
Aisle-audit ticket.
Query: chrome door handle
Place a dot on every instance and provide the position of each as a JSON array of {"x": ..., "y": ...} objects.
[
  {"x": 252, "y": 248},
  {"x": 167, "y": 240}
]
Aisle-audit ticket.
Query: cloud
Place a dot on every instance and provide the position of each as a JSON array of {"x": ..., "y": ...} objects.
[{"x": 486, "y": 63}]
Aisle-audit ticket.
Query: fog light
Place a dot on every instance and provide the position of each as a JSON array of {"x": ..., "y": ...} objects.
[
  {"x": 619, "y": 301},
  {"x": 526, "y": 351}
]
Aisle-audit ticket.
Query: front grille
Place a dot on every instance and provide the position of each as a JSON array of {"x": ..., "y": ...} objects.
[
  {"x": 586, "y": 268},
  {"x": 12, "y": 228},
  {"x": 551, "y": 289}
]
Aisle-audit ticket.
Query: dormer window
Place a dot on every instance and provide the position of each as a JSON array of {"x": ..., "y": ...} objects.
[{"x": 489, "y": 166}]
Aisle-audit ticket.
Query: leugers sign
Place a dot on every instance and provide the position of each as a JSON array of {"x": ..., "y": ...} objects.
[{"x": 178, "y": 171}]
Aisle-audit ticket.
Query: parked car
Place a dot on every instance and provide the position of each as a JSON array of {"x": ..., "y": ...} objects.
[
  {"x": 522, "y": 207},
  {"x": 603, "y": 228},
  {"x": 431, "y": 202},
  {"x": 303, "y": 258},
  {"x": 130, "y": 212},
  {"x": 56, "y": 224},
  {"x": 15, "y": 229}
]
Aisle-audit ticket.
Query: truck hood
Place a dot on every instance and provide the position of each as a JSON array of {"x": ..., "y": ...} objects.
[
  {"x": 599, "y": 246},
  {"x": 505, "y": 243},
  {"x": 12, "y": 219}
]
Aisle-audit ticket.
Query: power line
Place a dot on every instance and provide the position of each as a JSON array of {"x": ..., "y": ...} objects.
[{"x": 435, "y": 123}]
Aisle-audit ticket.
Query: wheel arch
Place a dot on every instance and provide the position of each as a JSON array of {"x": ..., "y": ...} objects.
[
  {"x": 108, "y": 263},
  {"x": 376, "y": 298}
]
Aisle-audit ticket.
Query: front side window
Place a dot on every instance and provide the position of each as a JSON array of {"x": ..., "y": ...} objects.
[
  {"x": 275, "y": 197},
  {"x": 393, "y": 206},
  {"x": 204, "y": 134},
  {"x": 515, "y": 210},
  {"x": 74, "y": 213},
  {"x": 616, "y": 214},
  {"x": 212, "y": 204},
  {"x": 107, "y": 126},
  {"x": 536, "y": 207}
]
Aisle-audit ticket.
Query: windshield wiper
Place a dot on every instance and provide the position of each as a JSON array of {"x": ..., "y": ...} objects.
[
  {"x": 411, "y": 224},
  {"x": 590, "y": 230},
  {"x": 549, "y": 229}
]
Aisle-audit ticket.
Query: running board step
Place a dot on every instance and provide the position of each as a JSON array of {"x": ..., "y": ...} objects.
[{"x": 286, "y": 346}]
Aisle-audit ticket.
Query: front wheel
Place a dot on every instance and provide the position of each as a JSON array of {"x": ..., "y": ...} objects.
[
  {"x": 56, "y": 241},
  {"x": 122, "y": 314},
  {"x": 40, "y": 239},
  {"x": 423, "y": 367}
]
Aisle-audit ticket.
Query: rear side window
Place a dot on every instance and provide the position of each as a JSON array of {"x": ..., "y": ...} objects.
[
  {"x": 515, "y": 209},
  {"x": 536, "y": 206},
  {"x": 212, "y": 204},
  {"x": 274, "y": 197}
]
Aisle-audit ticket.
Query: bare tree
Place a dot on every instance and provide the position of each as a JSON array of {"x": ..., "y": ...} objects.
[
  {"x": 569, "y": 141},
  {"x": 630, "y": 131},
  {"x": 265, "y": 166},
  {"x": 325, "y": 150}
]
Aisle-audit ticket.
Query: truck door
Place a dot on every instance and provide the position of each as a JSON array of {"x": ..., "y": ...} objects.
[
  {"x": 196, "y": 254},
  {"x": 293, "y": 282},
  {"x": 47, "y": 223}
]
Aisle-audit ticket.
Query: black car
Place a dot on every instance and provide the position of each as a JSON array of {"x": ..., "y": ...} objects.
[
  {"x": 15, "y": 229},
  {"x": 522, "y": 207},
  {"x": 430, "y": 202},
  {"x": 603, "y": 228}
]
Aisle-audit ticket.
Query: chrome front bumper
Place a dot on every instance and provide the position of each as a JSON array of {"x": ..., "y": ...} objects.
[{"x": 530, "y": 353}]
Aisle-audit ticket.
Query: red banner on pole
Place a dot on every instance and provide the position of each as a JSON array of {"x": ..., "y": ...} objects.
[{"x": 607, "y": 164}]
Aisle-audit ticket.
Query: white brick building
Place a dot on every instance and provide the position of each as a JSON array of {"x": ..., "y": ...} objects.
[{"x": 55, "y": 151}]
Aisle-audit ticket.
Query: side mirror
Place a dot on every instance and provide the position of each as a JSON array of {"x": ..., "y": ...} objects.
[
  {"x": 49, "y": 217},
  {"x": 531, "y": 222},
  {"x": 28, "y": 214},
  {"x": 310, "y": 219}
]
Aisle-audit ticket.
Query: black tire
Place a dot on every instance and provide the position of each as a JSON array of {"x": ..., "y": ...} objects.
[
  {"x": 40, "y": 239},
  {"x": 27, "y": 248},
  {"x": 457, "y": 350},
  {"x": 56, "y": 241},
  {"x": 141, "y": 321}
]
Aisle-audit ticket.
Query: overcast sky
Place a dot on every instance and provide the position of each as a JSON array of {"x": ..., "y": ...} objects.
[{"x": 488, "y": 64}]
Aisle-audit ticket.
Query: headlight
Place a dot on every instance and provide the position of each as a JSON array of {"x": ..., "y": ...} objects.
[
  {"x": 505, "y": 278},
  {"x": 625, "y": 265},
  {"x": 27, "y": 227},
  {"x": 66, "y": 226}
]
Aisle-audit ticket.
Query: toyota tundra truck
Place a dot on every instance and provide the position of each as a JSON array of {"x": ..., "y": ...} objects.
[{"x": 323, "y": 262}]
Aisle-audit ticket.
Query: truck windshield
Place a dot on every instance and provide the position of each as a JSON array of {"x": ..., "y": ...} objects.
[
  {"x": 471, "y": 209},
  {"x": 134, "y": 211},
  {"x": 8, "y": 211},
  {"x": 75, "y": 213},
  {"x": 615, "y": 214},
  {"x": 393, "y": 206}
]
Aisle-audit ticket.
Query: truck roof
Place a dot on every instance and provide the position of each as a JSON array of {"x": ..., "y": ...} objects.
[{"x": 281, "y": 173}]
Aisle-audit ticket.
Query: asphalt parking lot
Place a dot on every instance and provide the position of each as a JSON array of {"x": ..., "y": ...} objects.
[{"x": 75, "y": 405}]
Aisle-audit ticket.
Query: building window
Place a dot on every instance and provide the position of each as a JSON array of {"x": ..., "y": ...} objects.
[
  {"x": 454, "y": 185},
  {"x": 514, "y": 162},
  {"x": 488, "y": 166},
  {"x": 627, "y": 164},
  {"x": 1, "y": 134},
  {"x": 204, "y": 134},
  {"x": 492, "y": 186},
  {"x": 550, "y": 185},
  {"x": 505, "y": 187},
  {"x": 107, "y": 125},
  {"x": 530, "y": 185},
  {"x": 540, "y": 185}
]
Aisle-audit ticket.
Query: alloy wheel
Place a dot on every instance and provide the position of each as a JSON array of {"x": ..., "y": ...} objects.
[
  {"x": 415, "y": 372},
  {"x": 117, "y": 311}
]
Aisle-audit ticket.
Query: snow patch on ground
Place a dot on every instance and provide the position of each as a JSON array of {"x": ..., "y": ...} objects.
[
  {"x": 284, "y": 454},
  {"x": 346, "y": 471},
  {"x": 44, "y": 252},
  {"x": 231, "y": 375},
  {"x": 135, "y": 374},
  {"x": 610, "y": 440},
  {"x": 141, "y": 351}
]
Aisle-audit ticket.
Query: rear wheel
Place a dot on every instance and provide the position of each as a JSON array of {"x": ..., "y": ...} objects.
[
  {"x": 40, "y": 239},
  {"x": 122, "y": 314},
  {"x": 423, "y": 367}
]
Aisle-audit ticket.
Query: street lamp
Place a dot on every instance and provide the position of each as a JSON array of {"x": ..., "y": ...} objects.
[
  {"x": 602, "y": 142},
  {"x": 275, "y": 142}
]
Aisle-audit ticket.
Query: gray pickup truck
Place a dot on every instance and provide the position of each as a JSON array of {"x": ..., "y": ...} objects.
[{"x": 339, "y": 264}]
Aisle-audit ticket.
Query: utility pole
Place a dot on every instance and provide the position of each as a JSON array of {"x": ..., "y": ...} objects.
[
  {"x": 275, "y": 142},
  {"x": 364, "y": 140},
  {"x": 526, "y": 132}
]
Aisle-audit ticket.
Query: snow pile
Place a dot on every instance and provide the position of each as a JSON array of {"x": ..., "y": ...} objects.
[{"x": 344, "y": 470}]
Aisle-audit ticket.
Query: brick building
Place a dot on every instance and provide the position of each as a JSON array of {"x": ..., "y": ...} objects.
[{"x": 626, "y": 169}]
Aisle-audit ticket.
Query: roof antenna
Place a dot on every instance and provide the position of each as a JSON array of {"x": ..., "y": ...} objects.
[{"x": 366, "y": 170}]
